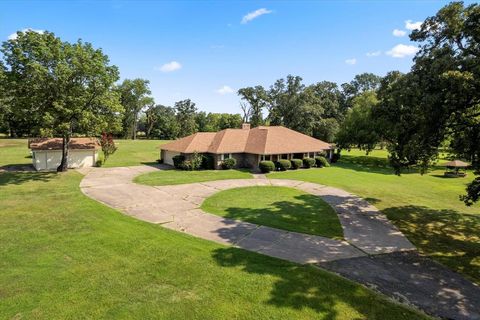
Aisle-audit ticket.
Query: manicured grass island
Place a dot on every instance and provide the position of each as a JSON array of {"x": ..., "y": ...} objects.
[
  {"x": 277, "y": 207},
  {"x": 171, "y": 177},
  {"x": 64, "y": 256},
  {"x": 426, "y": 208}
]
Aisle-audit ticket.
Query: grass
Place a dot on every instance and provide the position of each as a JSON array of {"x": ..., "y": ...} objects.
[
  {"x": 426, "y": 208},
  {"x": 14, "y": 152},
  {"x": 63, "y": 255},
  {"x": 277, "y": 207},
  {"x": 170, "y": 177},
  {"x": 129, "y": 152},
  {"x": 135, "y": 152}
]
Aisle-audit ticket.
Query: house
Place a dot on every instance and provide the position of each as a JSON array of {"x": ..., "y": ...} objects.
[
  {"x": 247, "y": 146},
  {"x": 47, "y": 152}
]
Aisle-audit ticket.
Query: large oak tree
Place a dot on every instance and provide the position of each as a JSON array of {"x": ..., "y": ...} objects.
[{"x": 59, "y": 88}]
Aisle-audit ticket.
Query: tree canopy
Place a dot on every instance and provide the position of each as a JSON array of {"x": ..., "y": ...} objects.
[{"x": 56, "y": 88}]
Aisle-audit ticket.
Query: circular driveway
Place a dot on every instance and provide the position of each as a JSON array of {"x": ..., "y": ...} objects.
[{"x": 366, "y": 230}]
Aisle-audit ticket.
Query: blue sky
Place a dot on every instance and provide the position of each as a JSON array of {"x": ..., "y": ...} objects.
[{"x": 206, "y": 51}]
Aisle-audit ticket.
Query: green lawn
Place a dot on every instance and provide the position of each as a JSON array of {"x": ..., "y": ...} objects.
[
  {"x": 14, "y": 152},
  {"x": 65, "y": 256},
  {"x": 135, "y": 153},
  {"x": 426, "y": 208},
  {"x": 169, "y": 177},
  {"x": 278, "y": 207}
]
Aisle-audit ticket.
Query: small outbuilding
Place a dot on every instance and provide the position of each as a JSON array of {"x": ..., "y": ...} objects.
[{"x": 47, "y": 152}]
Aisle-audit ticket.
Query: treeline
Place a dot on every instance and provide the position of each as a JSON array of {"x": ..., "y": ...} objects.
[
  {"x": 317, "y": 110},
  {"x": 434, "y": 106}
]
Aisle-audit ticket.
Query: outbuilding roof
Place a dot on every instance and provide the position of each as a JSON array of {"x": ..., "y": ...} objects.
[
  {"x": 259, "y": 140},
  {"x": 57, "y": 144}
]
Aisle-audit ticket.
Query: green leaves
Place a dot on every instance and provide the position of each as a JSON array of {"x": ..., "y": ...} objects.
[{"x": 59, "y": 88}]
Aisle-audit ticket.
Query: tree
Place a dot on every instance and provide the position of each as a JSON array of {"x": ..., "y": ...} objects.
[
  {"x": 60, "y": 88},
  {"x": 359, "y": 129},
  {"x": 286, "y": 100},
  {"x": 361, "y": 83},
  {"x": 256, "y": 97},
  {"x": 161, "y": 123},
  {"x": 134, "y": 96},
  {"x": 185, "y": 113},
  {"x": 440, "y": 97},
  {"x": 108, "y": 145}
]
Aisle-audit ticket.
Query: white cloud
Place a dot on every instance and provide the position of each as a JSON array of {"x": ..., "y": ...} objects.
[
  {"x": 399, "y": 33},
  {"x": 13, "y": 36},
  {"x": 225, "y": 90},
  {"x": 169, "y": 67},
  {"x": 255, "y": 14},
  {"x": 410, "y": 25},
  {"x": 402, "y": 51},
  {"x": 351, "y": 61},
  {"x": 373, "y": 53}
]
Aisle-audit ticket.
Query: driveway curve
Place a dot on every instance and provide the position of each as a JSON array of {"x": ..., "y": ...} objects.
[
  {"x": 366, "y": 230},
  {"x": 374, "y": 253}
]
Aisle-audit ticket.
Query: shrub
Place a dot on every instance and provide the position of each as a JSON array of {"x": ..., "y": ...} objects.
[
  {"x": 178, "y": 161},
  {"x": 283, "y": 165},
  {"x": 99, "y": 163},
  {"x": 296, "y": 163},
  {"x": 159, "y": 161},
  {"x": 228, "y": 163},
  {"x": 108, "y": 145},
  {"x": 266, "y": 166},
  {"x": 321, "y": 162},
  {"x": 308, "y": 162},
  {"x": 208, "y": 162},
  {"x": 335, "y": 157}
]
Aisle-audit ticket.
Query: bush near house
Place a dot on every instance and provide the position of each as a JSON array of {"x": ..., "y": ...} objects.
[
  {"x": 208, "y": 162},
  {"x": 266, "y": 166},
  {"x": 178, "y": 161},
  {"x": 321, "y": 161},
  {"x": 296, "y": 163},
  {"x": 335, "y": 157},
  {"x": 308, "y": 162},
  {"x": 283, "y": 165},
  {"x": 228, "y": 163}
]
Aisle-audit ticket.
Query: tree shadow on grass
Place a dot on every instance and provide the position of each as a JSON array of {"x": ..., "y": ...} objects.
[
  {"x": 371, "y": 164},
  {"x": 448, "y": 236},
  {"x": 305, "y": 287},
  {"x": 17, "y": 178},
  {"x": 310, "y": 215}
]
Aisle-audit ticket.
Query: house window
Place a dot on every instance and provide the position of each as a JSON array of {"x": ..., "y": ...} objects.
[
  {"x": 225, "y": 156},
  {"x": 266, "y": 157},
  {"x": 284, "y": 156}
]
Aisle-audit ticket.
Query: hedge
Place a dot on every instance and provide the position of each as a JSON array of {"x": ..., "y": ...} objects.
[
  {"x": 178, "y": 161},
  {"x": 266, "y": 166},
  {"x": 296, "y": 163},
  {"x": 321, "y": 162},
  {"x": 308, "y": 162},
  {"x": 228, "y": 163},
  {"x": 283, "y": 164}
]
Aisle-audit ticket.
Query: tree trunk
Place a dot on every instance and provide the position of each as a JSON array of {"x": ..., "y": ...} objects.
[
  {"x": 64, "y": 164},
  {"x": 134, "y": 129}
]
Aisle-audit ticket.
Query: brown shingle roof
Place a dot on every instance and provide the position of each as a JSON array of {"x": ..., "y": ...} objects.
[
  {"x": 56, "y": 144},
  {"x": 260, "y": 140}
]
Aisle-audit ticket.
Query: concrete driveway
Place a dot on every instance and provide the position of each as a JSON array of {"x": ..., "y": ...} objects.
[
  {"x": 177, "y": 207},
  {"x": 375, "y": 252}
]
